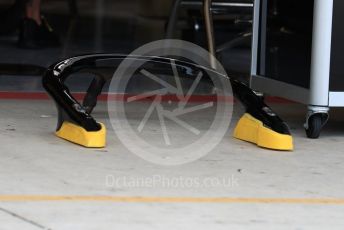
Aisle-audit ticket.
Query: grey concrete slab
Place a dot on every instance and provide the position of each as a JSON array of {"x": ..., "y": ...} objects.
[
  {"x": 11, "y": 220},
  {"x": 35, "y": 162},
  {"x": 131, "y": 216}
]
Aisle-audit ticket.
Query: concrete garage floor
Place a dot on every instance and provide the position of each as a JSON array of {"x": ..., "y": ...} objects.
[{"x": 48, "y": 183}]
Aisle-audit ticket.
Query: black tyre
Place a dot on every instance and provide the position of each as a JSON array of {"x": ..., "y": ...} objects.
[{"x": 315, "y": 124}]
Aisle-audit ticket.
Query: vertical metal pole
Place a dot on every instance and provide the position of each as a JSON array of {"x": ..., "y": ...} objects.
[
  {"x": 209, "y": 26},
  {"x": 255, "y": 37},
  {"x": 321, "y": 53}
]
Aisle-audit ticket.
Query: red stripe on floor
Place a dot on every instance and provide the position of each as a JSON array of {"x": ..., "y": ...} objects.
[{"x": 105, "y": 97}]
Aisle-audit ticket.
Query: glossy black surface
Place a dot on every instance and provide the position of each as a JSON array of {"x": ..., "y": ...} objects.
[
  {"x": 71, "y": 109},
  {"x": 103, "y": 66},
  {"x": 256, "y": 107}
]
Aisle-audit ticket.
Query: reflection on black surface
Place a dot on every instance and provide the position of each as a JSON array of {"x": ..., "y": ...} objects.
[{"x": 286, "y": 53}]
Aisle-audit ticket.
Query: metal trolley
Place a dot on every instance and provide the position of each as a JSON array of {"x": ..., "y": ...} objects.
[{"x": 304, "y": 68}]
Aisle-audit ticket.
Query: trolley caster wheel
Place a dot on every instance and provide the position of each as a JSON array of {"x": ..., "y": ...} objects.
[{"x": 314, "y": 125}]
